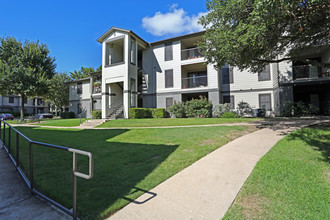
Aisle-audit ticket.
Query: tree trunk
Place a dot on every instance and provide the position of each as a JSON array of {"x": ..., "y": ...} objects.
[{"x": 22, "y": 106}]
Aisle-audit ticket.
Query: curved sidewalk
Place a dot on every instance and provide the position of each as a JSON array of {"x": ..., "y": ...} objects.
[
  {"x": 207, "y": 188},
  {"x": 16, "y": 202}
]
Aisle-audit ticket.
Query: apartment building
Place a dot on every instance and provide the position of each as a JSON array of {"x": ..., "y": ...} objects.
[
  {"x": 34, "y": 105},
  {"x": 136, "y": 73}
]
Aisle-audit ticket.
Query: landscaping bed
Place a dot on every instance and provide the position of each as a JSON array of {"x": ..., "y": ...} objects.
[
  {"x": 292, "y": 181},
  {"x": 127, "y": 162}
]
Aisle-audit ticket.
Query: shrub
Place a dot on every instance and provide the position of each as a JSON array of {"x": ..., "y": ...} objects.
[
  {"x": 287, "y": 109},
  {"x": 220, "y": 109},
  {"x": 65, "y": 115},
  {"x": 97, "y": 114},
  {"x": 177, "y": 109},
  {"x": 146, "y": 112},
  {"x": 229, "y": 115},
  {"x": 158, "y": 113},
  {"x": 244, "y": 109},
  {"x": 198, "y": 108},
  {"x": 137, "y": 113}
]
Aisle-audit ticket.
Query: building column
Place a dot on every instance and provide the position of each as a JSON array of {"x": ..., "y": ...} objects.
[
  {"x": 105, "y": 100},
  {"x": 126, "y": 98}
]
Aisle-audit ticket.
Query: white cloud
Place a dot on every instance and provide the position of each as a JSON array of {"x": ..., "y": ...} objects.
[{"x": 176, "y": 21}]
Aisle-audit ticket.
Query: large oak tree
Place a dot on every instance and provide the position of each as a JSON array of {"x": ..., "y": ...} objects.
[
  {"x": 252, "y": 33},
  {"x": 25, "y": 68}
]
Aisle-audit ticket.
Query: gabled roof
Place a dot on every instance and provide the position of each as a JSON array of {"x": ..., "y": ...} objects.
[{"x": 101, "y": 39}]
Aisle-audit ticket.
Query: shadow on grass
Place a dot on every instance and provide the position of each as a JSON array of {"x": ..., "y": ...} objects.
[
  {"x": 317, "y": 139},
  {"x": 119, "y": 168}
]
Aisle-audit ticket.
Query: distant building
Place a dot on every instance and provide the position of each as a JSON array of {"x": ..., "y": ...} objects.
[{"x": 34, "y": 105}]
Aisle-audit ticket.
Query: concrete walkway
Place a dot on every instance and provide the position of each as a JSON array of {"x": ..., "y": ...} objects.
[
  {"x": 207, "y": 188},
  {"x": 16, "y": 202}
]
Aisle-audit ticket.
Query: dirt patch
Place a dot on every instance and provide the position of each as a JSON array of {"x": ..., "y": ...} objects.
[
  {"x": 188, "y": 150},
  {"x": 253, "y": 206},
  {"x": 209, "y": 141},
  {"x": 236, "y": 134}
]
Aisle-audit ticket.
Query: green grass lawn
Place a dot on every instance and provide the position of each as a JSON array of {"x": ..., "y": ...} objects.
[
  {"x": 127, "y": 162},
  {"x": 159, "y": 122},
  {"x": 291, "y": 182},
  {"x": 72, "y": 122}
]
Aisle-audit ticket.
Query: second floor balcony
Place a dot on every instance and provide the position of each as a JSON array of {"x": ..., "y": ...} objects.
[
  {"x": 195, "y": 81},
  {"x": 309, "y": 72},
  {"x": 191, "y": 53}
]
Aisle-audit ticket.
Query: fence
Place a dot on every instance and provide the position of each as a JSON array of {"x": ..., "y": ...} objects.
[{"x": 9, "y": 134}]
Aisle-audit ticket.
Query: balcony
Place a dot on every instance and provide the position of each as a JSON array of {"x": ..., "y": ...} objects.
[
  {"x": 194, "y": 82},
  {"x": 309, "y": 72},
  {"x": 97, "y": 88},
  {"x": 192, "y": 53}
]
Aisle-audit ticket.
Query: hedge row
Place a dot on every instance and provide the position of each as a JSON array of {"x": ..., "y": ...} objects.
[
  {"x": 65, "y": 115},
  {"x": 147, "y": 113}
]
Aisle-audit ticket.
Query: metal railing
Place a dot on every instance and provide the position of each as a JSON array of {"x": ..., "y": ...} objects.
[
  {"x": 194, "y": 82},
  {"x": 29, "y": 180},
  {"x": 309, "y": 72},
  {"x": 192, "y": 53}
]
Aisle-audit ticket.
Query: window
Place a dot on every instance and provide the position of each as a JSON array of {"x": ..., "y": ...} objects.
[
  {"x": 168, "y": 78},
  {"x": 169, "y": 102},
  {"x": 79, "y": 88},
  {"x": 39, "y": 101},
  {"x": 11, "y": 99},
  {"x": 264, "y": 75},
  {"x": 265, "y": 101},
  {"x": 133, "y": 50},
  {"x": 79, "y": 108},
  {"x": 168, "y": 52},
  {"x": 25, "y": 100},
  {"x": 227, "y": 75},
  {"x": 229, "y": 99}
]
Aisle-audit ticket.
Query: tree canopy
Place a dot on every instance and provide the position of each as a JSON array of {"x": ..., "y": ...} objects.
[
  {"x": 252, "y": 33},
  {"x": 25, "y": 68},
  {"x": 58, "y": 92},
  {"x": 82, "y": 73}
]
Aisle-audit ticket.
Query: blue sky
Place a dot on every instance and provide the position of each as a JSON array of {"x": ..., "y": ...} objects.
[{"x": 70, "y": 28}]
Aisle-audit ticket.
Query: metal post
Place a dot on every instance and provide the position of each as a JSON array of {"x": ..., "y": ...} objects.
[
  {"x": 9, "y": 139},
  {"x": 4, "y": 134},
  {"x": 17, "y": 149},
  {"x": 31, "y": 167},
  {"x": 74, "y": 187}
]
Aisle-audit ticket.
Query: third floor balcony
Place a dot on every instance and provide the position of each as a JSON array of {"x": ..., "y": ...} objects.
[{"x": 191, "y": 53}]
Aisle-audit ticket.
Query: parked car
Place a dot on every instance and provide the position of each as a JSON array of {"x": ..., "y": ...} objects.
[
  {"x": 6, "y": 116},
  {"x": 44, "y": 115}
]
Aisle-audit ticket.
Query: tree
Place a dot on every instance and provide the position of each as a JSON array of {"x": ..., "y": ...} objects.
[
  {"x": 25, "y": 68},
  {"x": 99, "y": 68},
  {"x": 58, "y": 92},
  {"x": 82, "y": 73},
  {"x": 250, "y": 34}
]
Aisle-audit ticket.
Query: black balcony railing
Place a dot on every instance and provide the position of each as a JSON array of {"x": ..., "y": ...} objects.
[
  {"x": 309, "y": 72},
  {"x": 194, "y": 82},
  {"x": 192, "y": 53}
]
